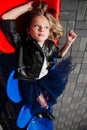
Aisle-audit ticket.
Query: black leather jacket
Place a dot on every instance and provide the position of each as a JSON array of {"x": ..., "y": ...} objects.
[{"x": 30, "y": 55}]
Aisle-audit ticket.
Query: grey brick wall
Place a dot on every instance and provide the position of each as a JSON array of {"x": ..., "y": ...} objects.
[{"x": 71, "y": 109}]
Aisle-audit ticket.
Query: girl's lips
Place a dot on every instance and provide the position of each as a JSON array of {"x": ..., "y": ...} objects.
[{"x": 41, "y": 35}]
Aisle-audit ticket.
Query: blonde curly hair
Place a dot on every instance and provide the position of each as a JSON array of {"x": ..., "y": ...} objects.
[{"x": 41, "y": 9}]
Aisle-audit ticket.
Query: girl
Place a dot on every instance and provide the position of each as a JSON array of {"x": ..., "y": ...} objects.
[{"x": 39, "y": 78}]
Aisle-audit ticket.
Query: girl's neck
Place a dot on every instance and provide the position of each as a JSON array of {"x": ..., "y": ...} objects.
[{"x": 40, "y": 44}]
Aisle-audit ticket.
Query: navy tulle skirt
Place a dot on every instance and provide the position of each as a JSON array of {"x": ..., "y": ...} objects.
[{"x": 51, "y": 85}]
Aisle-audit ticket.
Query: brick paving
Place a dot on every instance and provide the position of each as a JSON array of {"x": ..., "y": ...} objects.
[{"x": 71, "y": 109}]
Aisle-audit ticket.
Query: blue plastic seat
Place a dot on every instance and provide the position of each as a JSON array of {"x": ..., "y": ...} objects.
[
  {"x": 24, "y": 117},
  {"x": 12, "y": 89}
]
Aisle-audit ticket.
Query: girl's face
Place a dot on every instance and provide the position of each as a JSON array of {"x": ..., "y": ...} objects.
[{"x": 39, "y": 29}]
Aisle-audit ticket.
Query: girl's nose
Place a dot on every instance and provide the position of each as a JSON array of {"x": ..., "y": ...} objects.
[{"x": 41, "y": 29}]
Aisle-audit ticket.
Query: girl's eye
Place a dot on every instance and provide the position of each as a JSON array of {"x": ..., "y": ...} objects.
[
  {"x": 47, "y": 27},
  {"x": 36, "y": 25}
]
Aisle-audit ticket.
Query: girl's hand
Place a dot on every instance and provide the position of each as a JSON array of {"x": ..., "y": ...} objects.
[
  {"x": 71, "y": 37},
  {"x": 29, "y": 5}
]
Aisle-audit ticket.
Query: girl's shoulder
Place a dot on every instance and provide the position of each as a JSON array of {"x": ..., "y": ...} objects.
[{"x": 50, "y": 44}]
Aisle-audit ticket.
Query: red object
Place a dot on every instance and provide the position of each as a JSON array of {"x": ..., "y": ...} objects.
[{"x": 6, "y": 5}]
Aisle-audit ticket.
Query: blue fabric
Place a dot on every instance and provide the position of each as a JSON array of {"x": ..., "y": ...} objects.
[{"x": 53, "y": 83}]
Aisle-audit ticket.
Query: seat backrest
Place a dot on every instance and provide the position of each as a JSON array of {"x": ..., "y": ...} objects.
[{"x": 12, "y": 89}]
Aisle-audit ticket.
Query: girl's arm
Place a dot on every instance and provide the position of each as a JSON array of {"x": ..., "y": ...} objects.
[
  {"x": 18, "y": 11},
  {"x": 70, "y": 39}
]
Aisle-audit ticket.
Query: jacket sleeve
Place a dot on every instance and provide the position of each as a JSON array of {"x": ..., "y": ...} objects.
[
  {"x": 10, "y": 31},
  {"x": 57, "y": 52}
]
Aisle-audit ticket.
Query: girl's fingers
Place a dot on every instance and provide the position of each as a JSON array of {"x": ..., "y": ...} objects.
[
  {"x": 72, "y": 34},
  {"x": 71, "y": 37}
]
